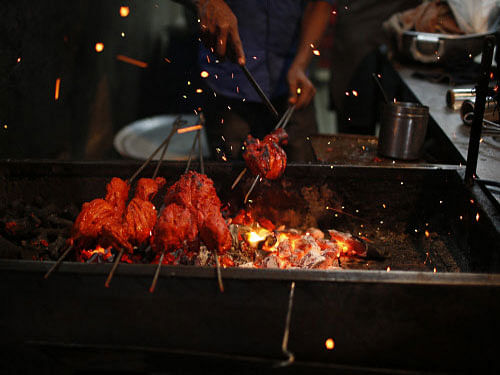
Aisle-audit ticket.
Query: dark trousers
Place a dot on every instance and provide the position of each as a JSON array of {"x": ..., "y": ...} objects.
[{"x": 229, "y": 121}]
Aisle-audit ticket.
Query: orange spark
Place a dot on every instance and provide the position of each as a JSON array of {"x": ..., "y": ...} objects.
[
  {"x": 189, "y": 129},
  {"x": 427, "y": 234},
  {"x": 167, "y": 60},
  {"x": 18, "y": 59},
  {"x": 130, "y": 60},
  {"x": 199, "y": 91},
  {"x": 58, "y": 86},
  {"x": 204, "y": 74},
  {"x": 354, "y": 92},
  {"x": 99, "y": 47},
  {"x": 124, "y": 11},
  {"x": 477, "y": 216},
  {"x": 329, "y": 344},
  {"x": 316, "y": 52}
]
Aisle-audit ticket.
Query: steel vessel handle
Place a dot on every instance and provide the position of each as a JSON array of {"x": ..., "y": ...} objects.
[{"x": 418, "y": 55}]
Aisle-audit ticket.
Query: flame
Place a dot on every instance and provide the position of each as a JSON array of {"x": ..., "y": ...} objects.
[
  {"x": 105, "y": 254},
  {"x": 253, "y": 238}
]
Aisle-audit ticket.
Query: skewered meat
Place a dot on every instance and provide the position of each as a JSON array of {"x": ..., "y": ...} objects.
[
  {"x": 192, "y": 209},
  {"x": 175, "y": 229},
  {"x": 266, "y": 158},
  {"x": 141, "y": 215},
  {"x": 98, "y": 213}
]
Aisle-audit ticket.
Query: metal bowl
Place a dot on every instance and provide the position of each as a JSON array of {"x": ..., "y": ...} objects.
[
  {"x": 139, "y": 139},
  {"x": 441, "y": 48}
]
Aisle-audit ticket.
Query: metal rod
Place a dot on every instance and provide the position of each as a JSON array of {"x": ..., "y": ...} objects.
[
  {"x": 195, "y": 139},
  {"x": 202, "y": 167},
  {"x": 377, "y": 80},
  {"x": 58, "y": 262},
  {"x": 157, "y": 273},
  {"x": 240, "y": 176},
  {"x": 172, "y": 132},
  {"x": 219, "y": 273},
  {"x": 286, "y": 334},
  {"x": 259, "y": 90},
  {"x": 165, "y": 142},
  {"x": 481, "y": 93},
  {"x": 251, "y": 188},
  {"x": 115, "y": 265}
]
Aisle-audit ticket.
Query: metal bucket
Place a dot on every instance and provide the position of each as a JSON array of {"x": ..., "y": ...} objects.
[{"x": 403, "y": 129}]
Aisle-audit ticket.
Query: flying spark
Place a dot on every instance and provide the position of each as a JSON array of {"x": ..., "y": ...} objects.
[
  {"x": 58, "y": 86},
  {"x": 131, "y": 61},
  {"x": 99, "y": 47},
  {"x": 204, "y": 74},
  {"x": 189, "y": 129},
  {"x": 124, "y": 11}
]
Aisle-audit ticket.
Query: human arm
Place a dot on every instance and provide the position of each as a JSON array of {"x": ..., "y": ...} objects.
[{"x": 314, "y": 22}]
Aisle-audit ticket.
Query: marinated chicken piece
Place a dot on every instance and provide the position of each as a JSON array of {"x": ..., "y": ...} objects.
[
  {"x": 266, "y": 158},
  {"x": 141, "y": 215},
  {"x": 175, "y": 229},
  {"x": 194, "y": 193},
  {"x": 214, "y": 232},
  {"x": 98, "y": 213}
]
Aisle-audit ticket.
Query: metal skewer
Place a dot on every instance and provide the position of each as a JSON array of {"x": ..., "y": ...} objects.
[
  {"x": 113, "y": 269},
  {"x": 157, "y": 273},
  {"x": 58, "y": 262},
  {"x": 286, "y": 334},
  {"x": 219, "y": 272},
  {"x": 259, "y": 90},
  {"x": 165, "y": 143}
]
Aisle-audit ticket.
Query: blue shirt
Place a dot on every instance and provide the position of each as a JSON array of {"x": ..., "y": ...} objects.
[{"x": 269, "y": 31}]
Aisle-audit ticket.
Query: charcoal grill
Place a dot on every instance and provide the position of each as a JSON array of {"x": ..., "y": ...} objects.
[{"x": 407, "y": 319}]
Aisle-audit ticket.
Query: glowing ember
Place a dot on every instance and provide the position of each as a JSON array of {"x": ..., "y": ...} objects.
[
  {"x": 131, "y": 61},
  {"x": 58, "y": 85},
  {"x": 329, "y": 344},
  {"x": 97, "y": 255},
  {"x": 199, "y": 91},
  {"x": 316, "y": 52},
  {"x": 204, "y": 74},
  {"x": 254, "y": 238},
  {"x": 124, "y": 11},
  {"x": 189, "y": 129},
  {"x": 354, "y": 92},
  {"x": 99, "y": 47},
  {"x": 477, "y": 216}
]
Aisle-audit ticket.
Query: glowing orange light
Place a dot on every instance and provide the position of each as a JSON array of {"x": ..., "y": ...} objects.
[
  {"x": 199, "y": 91},
  {"x": 131, "y": 61},
  {"x": 189, "y": 129},
  {"x": 167, "y": 60},
  {"x": 427, "y": 234},
  {"x": 329, "y": 344},
  {"x": 388, "y": 269},
  {"x": 316, "y": 52},
  {"x": 491, "y": 75},
  {"x": 354, "y": 92},
  {"x": 18, "y": 59},
  {"x": 477, "y": 216},
  {"x": 58, "y": 85},
  {"x": 124, "y": 11},
  {"x": 204, "y": 74},
  {"x": 99, "y": 47}
]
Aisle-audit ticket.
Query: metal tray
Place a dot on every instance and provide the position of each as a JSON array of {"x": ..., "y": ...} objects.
[{"x": 139, "y": 139}]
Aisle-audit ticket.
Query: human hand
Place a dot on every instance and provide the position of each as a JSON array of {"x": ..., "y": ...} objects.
[
  {"x": 302, "y": 90},
  {"x": 219, "y": 28}
]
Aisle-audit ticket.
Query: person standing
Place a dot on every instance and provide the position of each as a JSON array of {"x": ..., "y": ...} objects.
[{"x": 276, "y": 40}]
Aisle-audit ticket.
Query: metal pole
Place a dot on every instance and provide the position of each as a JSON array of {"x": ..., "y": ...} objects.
[{"x": 477, "y": 123}]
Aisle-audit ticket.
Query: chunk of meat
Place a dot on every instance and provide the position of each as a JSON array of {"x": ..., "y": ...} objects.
[
  {"x": 194, "y": 193},
  {"x": 175, "y": 229},
  {"x": 266, "y": 158}
]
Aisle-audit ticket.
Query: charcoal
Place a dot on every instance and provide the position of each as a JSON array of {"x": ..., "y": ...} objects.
[
  {"x": 56, "y": 247},
  {"x": 8, "y": 250}
]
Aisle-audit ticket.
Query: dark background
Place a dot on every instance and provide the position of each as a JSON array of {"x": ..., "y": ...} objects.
[{"x": 98, "y": 93}]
